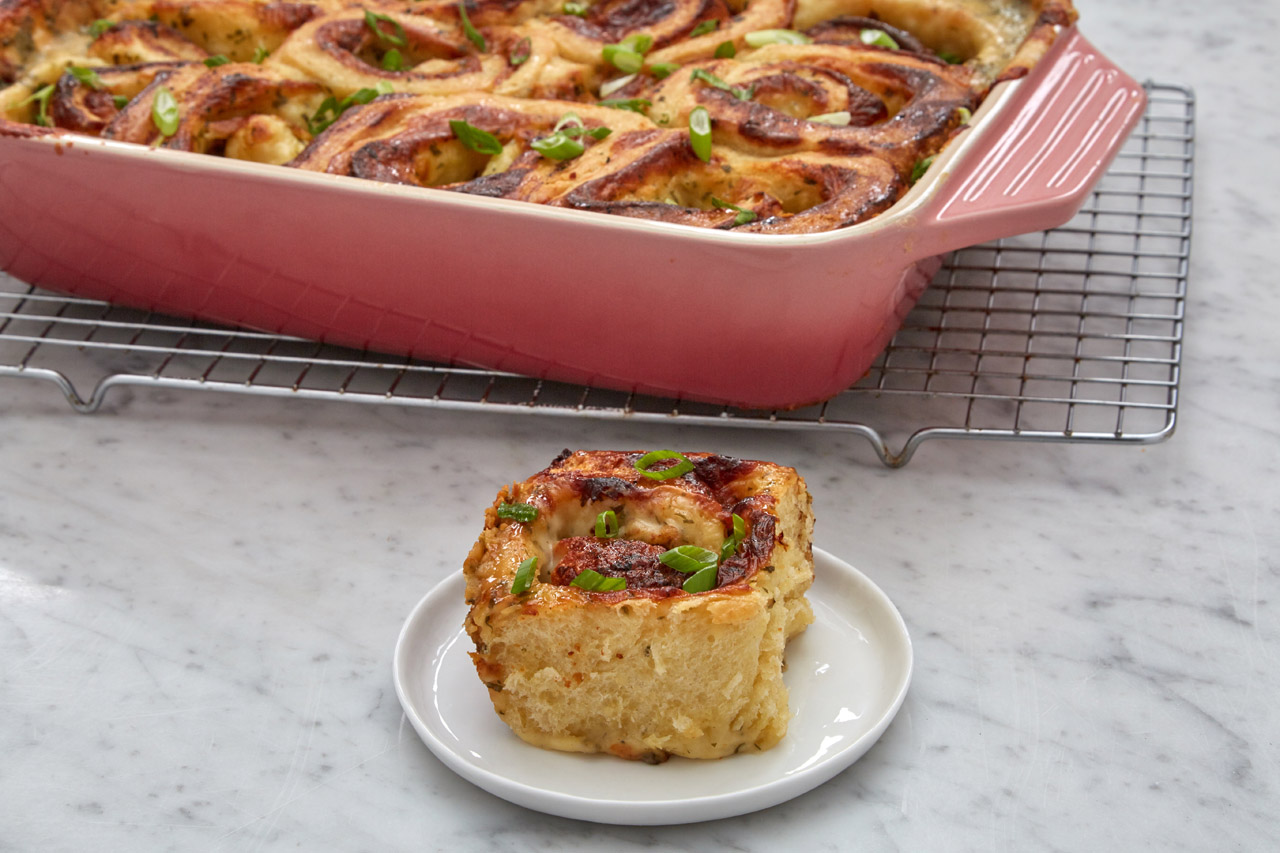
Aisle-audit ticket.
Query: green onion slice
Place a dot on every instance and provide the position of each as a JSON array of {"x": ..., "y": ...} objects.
[
  {"x": 164, "y": 112},
  {"x": 760, "y": 38},
  {"x": 474, "y": 138},
  {"x": 216, "y": 60},
  {"x": 965, "y": 114},
  {"x": 607, "y": 525},
  {"x": 573, "y": 8},
  {"x": 331, "y": 108},
  {"x": 742, "y": 93},
  {"x": 704, "y": 28},
  {"x": 558, "y": 146},
  {"x": 843, "y": 118},
  {"x": 622, "y": 58},
  {"x": 610, "y": 86},
  {"x": 645, "y": 463},
  {"x": 392, "y": 60},
  {"x": 472, "y": 33},
  {"x": 726, "y": 50},
  {"x": 518, "y": 511},
  {"x": 40, "y": 97},
  {"x": 593, "y": 581},
  {"x": 950, "y": 58},
  {"x": 260, "y": 53},
  {"x": 99, "y": 27},
  {"x": 120, "y": 101},
  {"x": 879, "y": 38},
  {"x": 689, "y": 559},
  {"x": 636, "y": 105},
  {"x": 663, "y": 70},
  {"x": 920, "y": 168},
  {"x": 637, "y": 43},
  {"x": 701, "y": 580},
  {"x": 700, "y": 133},
  {"x": 524, "y": 576},
  {"x": 87, "y": 76},
  {"x": 730, "y": 546},
  {"x": 374, "y": 20},
  {"x": 521, "y": 52},
  {"x": 744, "y": 216}
]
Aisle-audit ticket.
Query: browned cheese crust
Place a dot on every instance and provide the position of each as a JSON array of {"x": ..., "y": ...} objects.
[
  {"x": 805, "y": 137},
  {"x": 650, "y": 670}
]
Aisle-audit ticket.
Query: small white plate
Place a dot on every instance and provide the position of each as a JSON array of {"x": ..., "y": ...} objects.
[{"x": 847, "y": 675}]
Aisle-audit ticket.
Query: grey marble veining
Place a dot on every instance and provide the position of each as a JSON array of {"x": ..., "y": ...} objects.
[{"x": 199, "y": 594}]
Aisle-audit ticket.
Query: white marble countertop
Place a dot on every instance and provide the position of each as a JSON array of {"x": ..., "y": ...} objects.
[{"x": 200, "y": 593}]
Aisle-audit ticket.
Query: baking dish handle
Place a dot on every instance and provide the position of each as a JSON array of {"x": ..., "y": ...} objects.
[{"x": 1040, "y": 159}]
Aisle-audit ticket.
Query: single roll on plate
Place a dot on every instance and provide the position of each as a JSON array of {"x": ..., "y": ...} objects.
[{"x": 640, "y": 603}]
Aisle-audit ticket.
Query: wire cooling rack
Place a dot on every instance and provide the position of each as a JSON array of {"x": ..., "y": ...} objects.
[{"x": 1073, "y": 334}]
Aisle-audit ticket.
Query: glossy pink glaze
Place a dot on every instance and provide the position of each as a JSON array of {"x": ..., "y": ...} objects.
[{"x": 749, "y": 320}]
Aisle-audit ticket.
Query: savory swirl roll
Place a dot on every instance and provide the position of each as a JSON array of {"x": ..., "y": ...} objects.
[
  {"x": 900, "y": 106},
  {"x": 241, "y": 110},
  {"x": 240, "y": 30},
  {"x": 640, "y": 607},
  {"x": 357, "y": 49},
  {"x": 88, "y": 101},
  {"x": 992, "y": 38},
  {"x": 421, "y": 140}
]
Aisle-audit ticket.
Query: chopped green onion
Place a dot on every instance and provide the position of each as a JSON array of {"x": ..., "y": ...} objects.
[
  {"x": 99, "y": 27},
  {"x": 87, "y": 76},
  {"x": 518, "y": 511},
  {"x": 726, "y": 50},
  {"x": 557, "y": 146},
  {"x": 964, "y": 114},
  {"x": 843, "y": 118},
  {"x": 572, "y": 8},
  {"x": 920, "y": 168},
  {"x": 689, "y": 559},
  {"x": 474, "y": 138},
  {"x": 521, "y": 52},
  {"x": 216, "y": 60},
  {"x": 610, "y": 86},
  {"x": 392, "y": 60},
  {"x": 164, "y": 112},
  {"x": 622, "y": 58},
  {"x": 704, "y": 28},
  {"x": 607, "y": 524},
  {"x": 637, "y": 43},
  {"x": 472, "y": 33},
  {"x": 567, "y": 120},
  {"x": 744, "y": 216},
  {"x": 593, "y": 581},
  {"x": 879, "y": 38},
  {"x": 645, "y": 463},
  {"x": 524, "y": 576},
  {"x": 742, "y": 93},
  {"x": 701, "y": 580},
  {"x": 663, "y": 70},
  {"x": 636, "y": 105},
  {"x": 730, "y": 546},
  {"x": 331, "y": 108},
  {"x": 373, "y": 21},
  {"x": 760, "y": 38},
  {"x": 41, "y": 98},
  {"x": 949, "y": 58},
  {"x": 120, "y": 101},
  {"x": 260, "y": 53}
]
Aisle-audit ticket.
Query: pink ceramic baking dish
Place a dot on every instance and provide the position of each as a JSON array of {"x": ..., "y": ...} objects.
[{"x": 753, "y": 320}]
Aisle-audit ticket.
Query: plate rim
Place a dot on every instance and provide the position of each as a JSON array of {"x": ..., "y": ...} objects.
[{"x": 622, "y": 812}]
